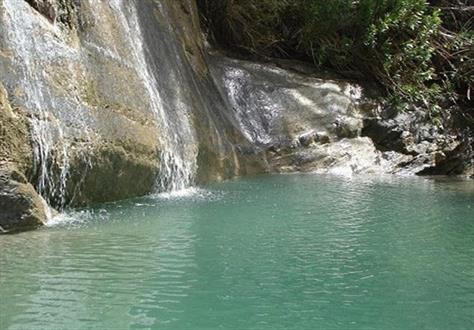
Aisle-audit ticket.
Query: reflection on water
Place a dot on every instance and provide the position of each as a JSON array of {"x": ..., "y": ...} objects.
[{"x": 290, "y": 251}]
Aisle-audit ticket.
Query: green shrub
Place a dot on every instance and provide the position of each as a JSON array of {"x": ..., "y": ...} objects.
[{"x": 401, "y": 44}]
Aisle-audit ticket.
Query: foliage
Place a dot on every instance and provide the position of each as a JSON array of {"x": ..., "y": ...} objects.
[
  {"x": 418, "y": 51},
  {"x": 454, "y": 58},
  {"x": 254, "y": 26},
  {"x": 390, "y": 41}
]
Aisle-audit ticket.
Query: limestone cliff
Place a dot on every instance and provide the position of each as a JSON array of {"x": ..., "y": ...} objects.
[{"x": 106, "y": 100}]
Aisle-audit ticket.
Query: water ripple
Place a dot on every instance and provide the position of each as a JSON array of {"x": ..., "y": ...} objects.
[{"x": 269, "y": 252}]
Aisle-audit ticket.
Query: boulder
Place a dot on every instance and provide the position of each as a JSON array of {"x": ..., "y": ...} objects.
[{"x": 21, "y": 206}]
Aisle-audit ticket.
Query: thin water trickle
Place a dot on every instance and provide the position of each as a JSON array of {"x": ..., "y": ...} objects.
[
  {"x": 46, "y": 131},
  {"x": 177, "y": 163},
  {"x": 34, "y": 42},
  {"x": 62, "y": 126}
]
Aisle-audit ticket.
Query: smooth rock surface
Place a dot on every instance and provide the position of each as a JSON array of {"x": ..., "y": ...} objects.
[
  {"x": 302, "y": 122},
  {"x": 21, "y": 206}
]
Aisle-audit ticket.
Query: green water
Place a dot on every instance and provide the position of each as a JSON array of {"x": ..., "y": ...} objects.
[{"x": 293, "y": 251}]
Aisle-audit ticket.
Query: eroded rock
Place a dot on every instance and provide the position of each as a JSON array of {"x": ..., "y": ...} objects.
[
  {"x": 21, "y": 206},
  {"x": 412, "y": 133},
  {"x": 301, "y": 121},
  {"x": 128, "y": 94}
]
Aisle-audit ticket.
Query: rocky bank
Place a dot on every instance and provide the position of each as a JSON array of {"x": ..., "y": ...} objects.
[{"x": 106, "y": 100}]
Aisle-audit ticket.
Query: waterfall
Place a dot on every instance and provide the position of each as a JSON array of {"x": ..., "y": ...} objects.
[
  {"x": 63, "y": 123},
  {"x": 177, "y": 137},
  {"x": 50, "y": 148}
]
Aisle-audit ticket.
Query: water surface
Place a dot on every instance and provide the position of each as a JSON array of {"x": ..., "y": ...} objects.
[{"x": 270, "y": 252}]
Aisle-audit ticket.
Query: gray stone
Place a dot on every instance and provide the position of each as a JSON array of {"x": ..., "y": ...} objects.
[{"x": 21, "y": 206}]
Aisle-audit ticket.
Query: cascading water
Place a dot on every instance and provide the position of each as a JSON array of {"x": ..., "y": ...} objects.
[
  {"x": 50, "y": 148},
  {"x": 178, "y": 147},
  {"x": 63, "y": 123}
]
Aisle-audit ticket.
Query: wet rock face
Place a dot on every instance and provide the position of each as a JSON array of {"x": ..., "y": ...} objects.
[
  {"x": 118, "y": 97},
  {"x": 272, "y": 105},
  {"x": 20, "y": 205},
  {"x": 47, "y": 8},
  {"x": 305, "y": 123},
  {"x": 84, "y": 103},
  {"x": 454, "y": 157},
  {"x": 15, "y": 145},
  {"x": 299, "y": 121},
  {"x": 115, "y": 99},
  {"x": 56, "y": 11}
]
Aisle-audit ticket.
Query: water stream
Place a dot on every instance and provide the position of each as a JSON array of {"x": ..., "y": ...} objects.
[
  {"x": 51, "y": 70},
  {"x": 177, "y": 163},
  {"x": 31, "y": 48}
]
